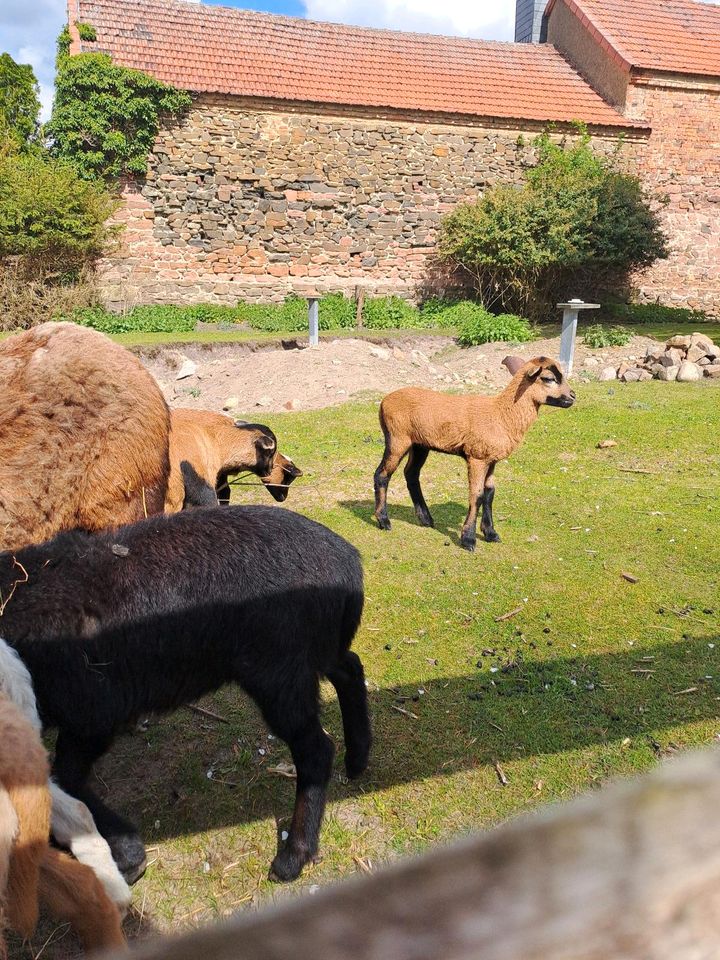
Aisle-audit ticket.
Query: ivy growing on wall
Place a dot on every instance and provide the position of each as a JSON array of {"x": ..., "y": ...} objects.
[{"x": 106, "y": 117}]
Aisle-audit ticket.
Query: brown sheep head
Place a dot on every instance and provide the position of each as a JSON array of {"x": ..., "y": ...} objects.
[
  {"x": 275, "y": 470},
  {"x": 281, "y": 476},
  {"x": 546, "y": 382}
]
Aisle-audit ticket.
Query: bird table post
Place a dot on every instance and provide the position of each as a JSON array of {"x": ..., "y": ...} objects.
[
  {"x": 313, "y": 321},
  {"x": 569, "y": 329}
]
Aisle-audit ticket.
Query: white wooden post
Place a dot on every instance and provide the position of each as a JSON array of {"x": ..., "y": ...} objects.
[
  {"x": 569, "y": 330},
  {"x": 313, "y": 321}
]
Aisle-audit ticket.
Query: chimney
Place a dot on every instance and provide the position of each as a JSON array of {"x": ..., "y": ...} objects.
[{"x": 529, "y": 25}]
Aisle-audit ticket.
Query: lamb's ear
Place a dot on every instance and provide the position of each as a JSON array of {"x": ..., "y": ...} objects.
[
  {"x": 240, "y": 423},
  {"x": 265, "y": 442},
  {"x": 534, "y": 371},
  {"x": 513, "y": 364}
]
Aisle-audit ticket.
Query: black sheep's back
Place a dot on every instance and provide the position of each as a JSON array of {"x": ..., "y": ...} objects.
[{"x": 173, "y": 606}]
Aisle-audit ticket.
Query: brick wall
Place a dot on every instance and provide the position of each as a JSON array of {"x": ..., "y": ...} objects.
[
  {"x": 682, "y": 163},
  {"x": 252, "y": 200}
]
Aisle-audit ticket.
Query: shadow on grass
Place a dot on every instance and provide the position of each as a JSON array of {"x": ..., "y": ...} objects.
[
  {"x": 516, "y": 704},
  {"x": 448, "y": 516}
]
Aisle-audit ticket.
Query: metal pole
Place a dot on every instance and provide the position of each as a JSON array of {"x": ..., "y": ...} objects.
[
  {"x": 313, "y": 321},
  {"x": 567, "y": 339},
  {"x": 569, "y": 329}
]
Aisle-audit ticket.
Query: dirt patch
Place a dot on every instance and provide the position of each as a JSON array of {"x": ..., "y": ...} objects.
[{"x": 310, "y": 378}]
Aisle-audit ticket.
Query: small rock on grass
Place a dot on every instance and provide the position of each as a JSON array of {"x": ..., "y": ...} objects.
[
  {"x": 607, "y": 373},
  {"x": 604, "y": 444}
]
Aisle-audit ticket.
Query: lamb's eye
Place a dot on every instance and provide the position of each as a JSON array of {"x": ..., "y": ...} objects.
[{"x": 548, "y": 379}]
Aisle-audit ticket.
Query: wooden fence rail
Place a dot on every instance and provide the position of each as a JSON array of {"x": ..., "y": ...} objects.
[{"x": 631, "y": 871}]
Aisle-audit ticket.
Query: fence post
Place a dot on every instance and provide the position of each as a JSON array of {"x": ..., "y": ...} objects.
[
  {"x": 313, "y": 321},
  {"x": 569, "y": 330}
]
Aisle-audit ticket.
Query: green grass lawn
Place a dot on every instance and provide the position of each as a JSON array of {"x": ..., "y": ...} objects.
[{"x": 594, "y": 677}]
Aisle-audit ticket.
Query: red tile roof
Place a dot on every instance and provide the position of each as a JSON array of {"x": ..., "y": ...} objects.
[
  {"x": 225, "y": 50},
  {"x": 677, "y": 36}
]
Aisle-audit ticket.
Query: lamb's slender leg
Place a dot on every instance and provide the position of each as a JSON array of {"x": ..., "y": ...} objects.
[
  {"x": 73, "y": 827},
  {"x": 292, "y": 714},
  {"x": 348, "y": 678},
  {"x": 394, "y": 452},
  {"x": 477, "y": 471},
  {"x": 416, "y": 461},
  {"x": 74, "y": 758},
  {"x": 486, "y": 524}
]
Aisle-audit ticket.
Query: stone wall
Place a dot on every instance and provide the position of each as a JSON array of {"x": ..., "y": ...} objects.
[
  {"x": 682, "y": 165},
  {"x": 245, "y": 199}
]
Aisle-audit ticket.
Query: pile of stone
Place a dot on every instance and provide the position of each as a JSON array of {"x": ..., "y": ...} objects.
[{"x": 682, "y": 358}]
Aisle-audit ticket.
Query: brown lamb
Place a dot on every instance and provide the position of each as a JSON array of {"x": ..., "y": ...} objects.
[
  {"x": 31, "y": 871},
  {"x": 216, "y": 448},
  {"x": 83, "y": 435},
  {"x": 482, "y": 430}
]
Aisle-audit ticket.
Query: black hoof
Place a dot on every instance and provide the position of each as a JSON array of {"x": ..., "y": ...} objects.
[
  {"x": 356, "y": 766},
  {"x": 425, "y": 520},
  {"x": 129, "y": 855},
  {"x": 287, "y": 866},
  {"x": 468, "y": 544},
  {"x": 492, "y": 537},
  {"x": 383, "y": 523}
]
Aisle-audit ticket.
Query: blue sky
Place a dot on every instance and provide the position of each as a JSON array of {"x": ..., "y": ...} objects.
[{"x": 290, "y": 8}]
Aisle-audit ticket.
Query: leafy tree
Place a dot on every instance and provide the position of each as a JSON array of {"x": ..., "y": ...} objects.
[
  {"x": 575, "y": 219},
  {"x": 19, "y": 103},
  {"x": 106, "y": 117}
]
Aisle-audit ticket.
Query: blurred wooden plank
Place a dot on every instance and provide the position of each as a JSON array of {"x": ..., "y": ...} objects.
[{"x": 632, "y": 871}]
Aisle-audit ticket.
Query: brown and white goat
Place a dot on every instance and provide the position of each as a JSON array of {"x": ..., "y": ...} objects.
[
  {"x": 31, "y": 871},
  {"x": 83, "y": 434},
  {"x": 213, "y": 448},
  {"x": 482, "y": 430}
]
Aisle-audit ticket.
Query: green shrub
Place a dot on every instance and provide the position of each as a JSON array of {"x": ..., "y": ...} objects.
[
  {"x": 105, "y": 117},
  {"x": 336, "y": 312},
  {"x": 291, "y": 316},
  {"x": 576, "y": 216},
  {"x": 48, "y": 213},
  {"x": 150, "y": 319},
  {"x": 653, "y": 313},
  {"x": 480, "y": 326},
  {"x": 599, "y": 337},
  {"x": 389, "y": 313},
  {"x": 453, "y": 314}
]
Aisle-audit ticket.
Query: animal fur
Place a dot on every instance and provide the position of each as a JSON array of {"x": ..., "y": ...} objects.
[
  {"x": 30, "y": 870},
  {"x": 71, "y": 822},
  {"x": 83, "y": 433},
  {"x": 481, "y": 430},
  {"x": 143, "y": 619},
  {"x": 216, "y": 448}
]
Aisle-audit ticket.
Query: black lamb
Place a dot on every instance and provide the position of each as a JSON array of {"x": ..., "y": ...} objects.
[{"x": 150, "y": 616}]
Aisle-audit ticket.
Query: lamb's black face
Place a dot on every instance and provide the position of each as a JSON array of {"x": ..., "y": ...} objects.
[
  {"x": 565, "y": 401},
  {"x": 283, "y": 473}
]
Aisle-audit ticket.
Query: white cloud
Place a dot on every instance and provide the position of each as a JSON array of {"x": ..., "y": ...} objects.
[
  {"x": 468, "y": 18},
  {"x": 29, "y": 31}
]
